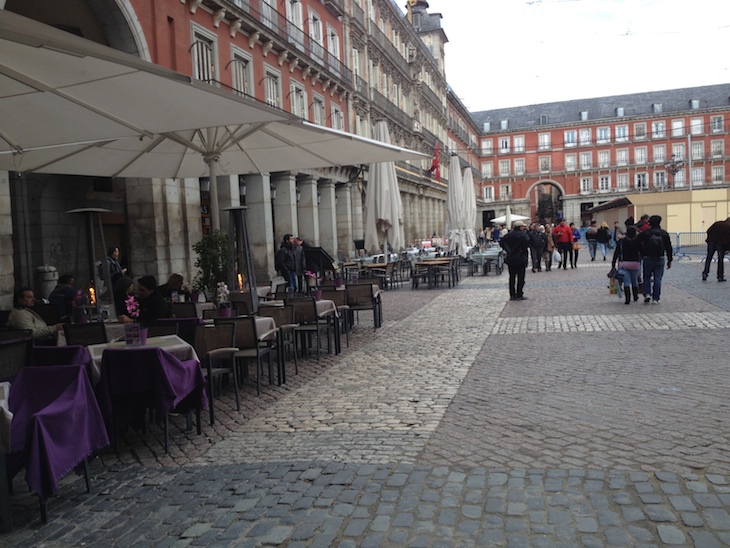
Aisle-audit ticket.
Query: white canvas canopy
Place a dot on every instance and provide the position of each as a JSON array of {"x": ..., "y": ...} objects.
[
  {"x": 71, "y": 106},
  {"x": 383, "y": 202},
  {"x": 456, "y": 227}
]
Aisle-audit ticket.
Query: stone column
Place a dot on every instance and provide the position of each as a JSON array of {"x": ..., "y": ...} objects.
[
  {"x": 358, "y": 223},
  {"x": 7, "y": 266},
  {"x": 163, "y": 219},
  {"x": 285, "y": 204},
  {"x": 406, "y": 216},
  {"x": 327, "y": 217},
  {"x": 343, "y": 200},
  {"x": 260, "y": 225},
  {"x": 309, "y": 210}
]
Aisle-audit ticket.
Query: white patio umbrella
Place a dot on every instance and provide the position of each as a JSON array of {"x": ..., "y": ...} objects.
[
  {"x": 71, "y": 106},
  {"x": 455, "y": 218},
  {"x": 383, "y": 202},
  {"x": 508, "y": 219},
  {"x": 470, "y": 207}
]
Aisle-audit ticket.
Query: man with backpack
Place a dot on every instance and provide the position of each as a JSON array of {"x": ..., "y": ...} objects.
[{"x": 654, "y": 243}]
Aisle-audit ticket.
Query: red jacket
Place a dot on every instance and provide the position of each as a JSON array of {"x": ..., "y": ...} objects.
[{"x": 562, "y": 234}]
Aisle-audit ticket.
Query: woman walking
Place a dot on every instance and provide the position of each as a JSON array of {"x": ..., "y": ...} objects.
[
  {"x": 627, "y": 257},
  {"x": 547, "y": 254},
  {"x": 575, "y": 246}
]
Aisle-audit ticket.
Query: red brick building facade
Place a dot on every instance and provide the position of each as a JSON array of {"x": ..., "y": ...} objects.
[{"x": 561, "y": 159}]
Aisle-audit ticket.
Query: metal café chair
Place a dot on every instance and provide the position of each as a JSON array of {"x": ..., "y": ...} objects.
[
  {"x": 85, "y": 333},
  {"x": 216, "y": 346}
]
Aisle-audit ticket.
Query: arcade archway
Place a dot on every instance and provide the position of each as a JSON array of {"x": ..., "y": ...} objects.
[{"x": 546, "y": 202}]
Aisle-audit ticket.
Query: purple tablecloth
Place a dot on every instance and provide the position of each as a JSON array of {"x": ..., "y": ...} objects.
[
  {"x": 56, "y": 424},
  {"x": 141, "y": 377}
]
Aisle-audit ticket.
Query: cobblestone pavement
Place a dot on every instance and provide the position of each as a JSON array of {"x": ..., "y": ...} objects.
[{"x": 568, "y": 419}]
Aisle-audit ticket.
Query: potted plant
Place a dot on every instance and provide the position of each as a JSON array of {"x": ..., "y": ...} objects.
[
  {"x": 222, "y": 294},
  {"x": 212, "y": 261}
]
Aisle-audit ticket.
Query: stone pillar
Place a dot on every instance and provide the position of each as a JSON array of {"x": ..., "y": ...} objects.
[
  {"x": 260, "y": 224},
  {"x": 358, "y": 223},
  {"x": 285, "y": 204},
  {"x": 407, "y": 226},
  {"x": 309, "y": 211},
  {"x": 343, "y": 200},
  {"x": 327, "y": 216},
  {"x": 163, "y": 219},
  {"x": 7, "y": 266}
]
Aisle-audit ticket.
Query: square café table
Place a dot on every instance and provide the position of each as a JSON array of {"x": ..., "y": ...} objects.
[{"x": 172, "y": 344}]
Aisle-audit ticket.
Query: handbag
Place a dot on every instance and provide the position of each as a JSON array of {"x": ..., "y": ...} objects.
[
  {"x": 612, "y": 286},
  {"x": 576, "y": 245},
  {"x": 556, "y": 256},
  {"x": 612, "y": 273}
]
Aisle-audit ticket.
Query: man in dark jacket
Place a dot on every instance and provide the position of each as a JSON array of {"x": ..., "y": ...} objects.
[
  {"x": 286, "y": 261},
  {"x": 515, "y": 244},
  {"x": 152, "y": 305},
  {"x": 538, "y": 242},
  {"x": 655, "y": 243},
  {"x": 718, "y": 241}
]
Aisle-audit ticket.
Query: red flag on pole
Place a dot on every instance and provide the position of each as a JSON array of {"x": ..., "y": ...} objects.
[{"x": 435, "y": 168}]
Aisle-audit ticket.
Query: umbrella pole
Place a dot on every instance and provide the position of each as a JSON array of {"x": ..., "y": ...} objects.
[{"x": 212, "y": 161}]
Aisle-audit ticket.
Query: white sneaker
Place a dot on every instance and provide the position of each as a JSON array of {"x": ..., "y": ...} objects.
[{"x": 655, "y": 301}]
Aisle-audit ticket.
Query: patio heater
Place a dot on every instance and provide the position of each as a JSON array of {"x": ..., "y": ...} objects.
[
  {"x": 92, "y": 215},
  {"x": 241, "y": 272}
]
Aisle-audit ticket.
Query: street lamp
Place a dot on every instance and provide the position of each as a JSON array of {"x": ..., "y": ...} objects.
[{"x": 673, "y": 167}]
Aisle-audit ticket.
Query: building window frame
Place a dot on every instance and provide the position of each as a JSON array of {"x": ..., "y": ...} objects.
[
  {"x": 659, "y": 154},
  {"x": 658, "y": 129},
  {"x": 717, "y": 124},
  {"x": 586, "y": 185},
  {"x": 640, "y": 156},
  {"x": 518, "y": 144},
  {"x": 622, "y": 156},
  {"x": 570, "y": 162},
  {"x": 640, "y": 131},
  {"x": 519, "y": 166},
  {"x": 570, "y": 138},
  {"x": 504, "y": 168}
]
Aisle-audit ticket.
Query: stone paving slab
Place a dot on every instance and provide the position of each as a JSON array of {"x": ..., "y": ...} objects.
[{"x": 466, "y": 420}]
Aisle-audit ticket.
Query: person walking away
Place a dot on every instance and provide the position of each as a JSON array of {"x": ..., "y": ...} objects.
[
  {"x": 592, "y": 239},
  {"x": 627, "y": 259},
  {"x": 300, "y": 261},
  {"x": 655, "y": 244},
  {"x": 515, "y": 244},
  {"x": 563, "y": 238},
  {"x": 575, "y": 246},
  {"x": 604, "y": 237},
  {"x": 547, "y": 254},
  {"x": 285, "y": 262},
  {"x": 718, "y": 241},
  {"x": 538, "y": 241},
  {"x": 618, "y": 232}
]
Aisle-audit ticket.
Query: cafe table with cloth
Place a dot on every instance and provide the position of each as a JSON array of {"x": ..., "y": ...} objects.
[
  {"x": 169, "y": 343},
  {"x": 150, "y": 376}
]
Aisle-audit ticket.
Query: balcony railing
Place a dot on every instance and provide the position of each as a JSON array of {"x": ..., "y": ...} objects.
[
  {"x": 380, "y": 101},
  {"x": 335, "y": 6},
  {"x": 295, "y": 36},
  {"x": 431, "y": 97},
  {"x": 361, "y": 86},
  {"x": 389, "y": 50},
  {"x": 358, "y": 14}
]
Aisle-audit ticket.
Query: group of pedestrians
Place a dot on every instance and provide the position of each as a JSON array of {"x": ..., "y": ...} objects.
[
  {"x": 640, "y": 258},
  {"x": 290, "y": 261},
  {"x": 642, "y": 252}
]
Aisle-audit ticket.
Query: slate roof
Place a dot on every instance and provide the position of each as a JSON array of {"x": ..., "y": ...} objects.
[{"x": 603, "y": 108}]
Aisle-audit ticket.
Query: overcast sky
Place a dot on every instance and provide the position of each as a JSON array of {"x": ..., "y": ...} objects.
[{"x": 504, "y": 53}]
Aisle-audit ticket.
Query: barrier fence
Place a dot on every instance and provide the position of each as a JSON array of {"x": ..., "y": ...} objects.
[{"x": 689, "y": 244}]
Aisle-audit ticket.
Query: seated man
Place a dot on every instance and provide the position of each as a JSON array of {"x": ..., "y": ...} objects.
[
  {"x": 22, "y": 316},
  {"x": 151, "y": 304},
  {"x": 63, "y": 295}
]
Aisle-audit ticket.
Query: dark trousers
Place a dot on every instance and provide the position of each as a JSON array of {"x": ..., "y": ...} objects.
[
  {"x": 712, "y": 248},
  {"x": 536, "y": 257},
  {"x": 516, "y": 279},
  {"x": 566, "y": 252}
]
